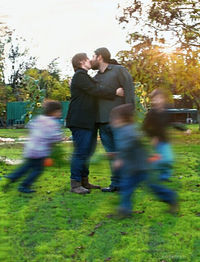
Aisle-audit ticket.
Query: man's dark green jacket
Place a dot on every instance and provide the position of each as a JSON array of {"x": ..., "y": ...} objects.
[
  {"x": 113, "y": 77},
  {"x": 83, "y": 104}
]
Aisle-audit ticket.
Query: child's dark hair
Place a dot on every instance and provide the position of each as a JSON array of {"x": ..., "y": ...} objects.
[
  {"x": 50, "y": 106},
  {"x": 152, "y": 124},
  {"x": 153, "y": 128},
  {"x": 124, "y": 112}
]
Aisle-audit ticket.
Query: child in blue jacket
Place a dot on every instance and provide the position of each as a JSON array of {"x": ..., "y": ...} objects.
[
  {"x": 156, "y": 124},
  {"x": 132, "y": 160}
]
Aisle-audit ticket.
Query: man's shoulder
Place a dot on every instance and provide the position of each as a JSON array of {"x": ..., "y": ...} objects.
[
  {"x": 80, "y": 75},
  {"x": 120, "y": 69},
  {"x": 116, "y": 67},
  {"x": 80, "y": 71},
  {"x": 112, "y": 67}
]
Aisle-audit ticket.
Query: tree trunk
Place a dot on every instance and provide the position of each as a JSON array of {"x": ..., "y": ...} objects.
[{"x": 198, "y": 112}]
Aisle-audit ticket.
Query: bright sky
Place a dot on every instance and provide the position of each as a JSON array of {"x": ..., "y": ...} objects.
[{"x": 62, "y": 28}]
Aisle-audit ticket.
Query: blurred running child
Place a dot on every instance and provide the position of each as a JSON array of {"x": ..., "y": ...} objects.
[
  {"x": 131, "y": 159},
  {"x": 156, "y": 124},
  {"x": 44, "y": 130}
]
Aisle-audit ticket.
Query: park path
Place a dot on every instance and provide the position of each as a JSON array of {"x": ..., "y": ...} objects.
[{"x": 8, "y": 140}]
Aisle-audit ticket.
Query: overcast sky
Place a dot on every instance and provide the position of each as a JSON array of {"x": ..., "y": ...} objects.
[{"x": 62, "y": 28}]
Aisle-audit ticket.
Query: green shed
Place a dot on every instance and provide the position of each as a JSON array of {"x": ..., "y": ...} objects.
[{"x": 15, "y": 112}]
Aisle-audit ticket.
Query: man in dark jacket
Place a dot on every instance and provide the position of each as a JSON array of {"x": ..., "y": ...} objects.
[
  {"x": 112, "y": 76},
  {"x": 81, "y": 119}
]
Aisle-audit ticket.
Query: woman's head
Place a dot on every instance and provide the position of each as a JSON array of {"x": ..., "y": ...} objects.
[{"x": 81, "y": 60}]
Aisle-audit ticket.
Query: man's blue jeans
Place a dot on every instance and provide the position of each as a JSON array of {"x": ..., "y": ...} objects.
[
  {"x": 34, "y": 166},
  {"x": 107, "y": 139},
  {"x": 84, "y": 146},
  {"x": 129, "y": 183}
]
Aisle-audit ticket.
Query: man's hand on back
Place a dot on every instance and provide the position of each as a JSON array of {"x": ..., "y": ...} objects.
[{"x": 120, "y": 91}]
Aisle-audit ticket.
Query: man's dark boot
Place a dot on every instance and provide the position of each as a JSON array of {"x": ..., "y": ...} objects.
[
  {"x": 110, "y": 189},
  {"x": 86, "y": 184},
  {"x": 77, "y": 188}
]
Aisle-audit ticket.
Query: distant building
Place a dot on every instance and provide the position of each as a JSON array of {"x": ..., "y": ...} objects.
[
  {"x": 184, "y": 115},
  {"x": 183, "y": 110}
]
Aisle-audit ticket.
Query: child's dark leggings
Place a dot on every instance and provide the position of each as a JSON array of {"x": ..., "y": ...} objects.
[
  {"x": 34, "y": 166},
  {"x": 129, "y": 183}
]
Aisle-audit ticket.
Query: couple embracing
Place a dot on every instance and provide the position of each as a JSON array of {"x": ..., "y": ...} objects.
[{"x": 92, "y": 100}]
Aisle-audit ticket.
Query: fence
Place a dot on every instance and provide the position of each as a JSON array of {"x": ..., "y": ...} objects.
[{"x": 16, "y": 110}]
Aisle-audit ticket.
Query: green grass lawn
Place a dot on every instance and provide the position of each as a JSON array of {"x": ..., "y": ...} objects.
[
  {"x": 13, "y": 133},
  {"x": 21, "y": 133},
  {"x": 55, "y": 225}
]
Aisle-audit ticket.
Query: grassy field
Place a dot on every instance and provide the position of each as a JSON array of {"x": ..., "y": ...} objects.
[
  {"x": 55, "y": 225},
  {"x": 20, "y": 133}
]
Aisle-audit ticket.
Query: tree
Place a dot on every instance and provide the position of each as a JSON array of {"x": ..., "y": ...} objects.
[
  {"x": 20, "y": 61},
  {"x": 54, "y": 89},
  {"x": 148, "y": 65},
  {"x": 5, "y": 90},
  {"x": 52, "y": 68},
  {"x": 2, "y": 57},
  {"x": 153, "y": 28},
  {"x": 164, "y": 21},
  {"x": 35, "y": 97},
  {"x": 185, "y": 74},
  {"x": 4, "y": 35},
  {"x": 178, "y": 73}
]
